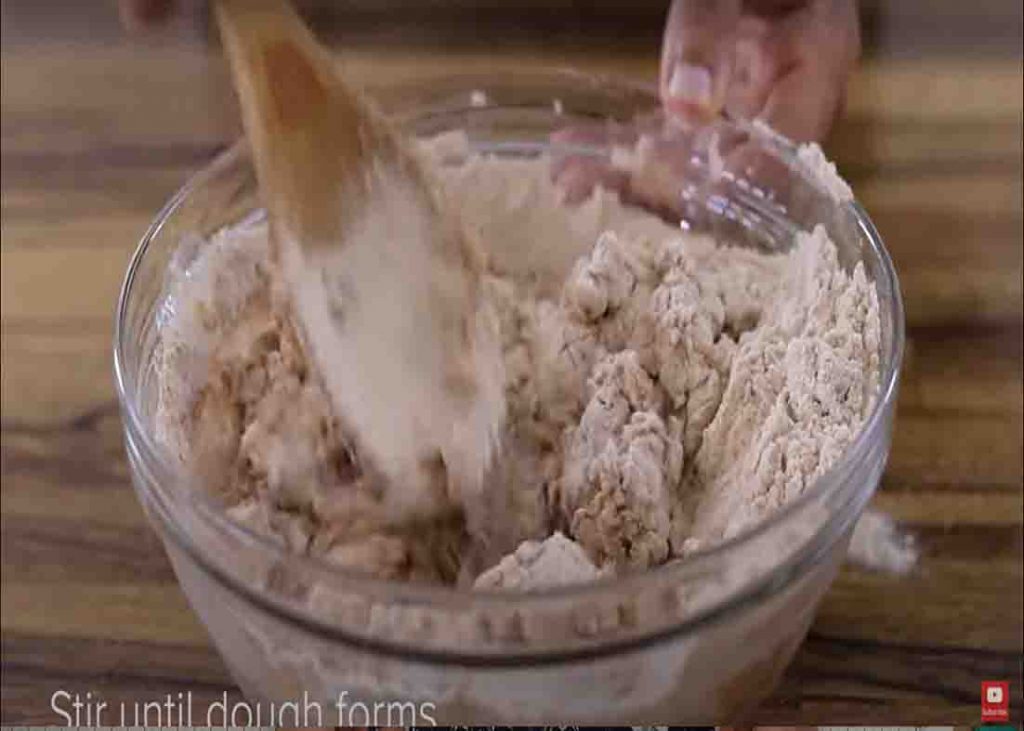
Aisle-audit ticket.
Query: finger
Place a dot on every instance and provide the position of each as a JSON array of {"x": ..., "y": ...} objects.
[
  {"x": 140, "y": 14},
  {"x": 577, "y": 177},
  {"x": 575, "y": 172},
  {"x": 804, "y": 61},
  {"x": 696, "y": 56},
  {"x": 760, "y": 57},
  {"x": 804, "y": 104},
  {"x": 588, "y": 141}
]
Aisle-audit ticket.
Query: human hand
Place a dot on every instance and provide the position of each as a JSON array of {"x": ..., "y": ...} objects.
[
  {"x": 139, "y": 14},
  {"x": 783, "y": 61}
]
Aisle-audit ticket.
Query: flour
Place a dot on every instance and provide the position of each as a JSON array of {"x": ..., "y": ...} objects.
[
  {"x": 824, "y": 171},
  {"x": 556, "y": 561},
  {"x": 663, "y": 391},
  {"x": 800, "y": 387},
  {"x": 878, "y": 544},
  {"x": 621, "y": 467}
]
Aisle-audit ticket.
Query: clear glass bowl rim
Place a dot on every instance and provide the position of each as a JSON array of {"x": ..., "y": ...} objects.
[{"x": 139, "y": 441}]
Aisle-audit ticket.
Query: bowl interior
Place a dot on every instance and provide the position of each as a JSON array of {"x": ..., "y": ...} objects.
[{"x": 731, "y": 180}]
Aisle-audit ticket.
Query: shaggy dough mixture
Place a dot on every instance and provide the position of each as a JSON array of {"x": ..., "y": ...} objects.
[{"x": 664, "y": 391}]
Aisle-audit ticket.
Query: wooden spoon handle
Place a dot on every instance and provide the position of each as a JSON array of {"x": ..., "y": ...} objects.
[
  {"x": 386, "y": 286},
  {"x": 310, "y": 133}
]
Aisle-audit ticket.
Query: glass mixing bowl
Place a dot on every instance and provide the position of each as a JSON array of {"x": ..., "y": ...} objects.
[{"x": 698, "y": 640}]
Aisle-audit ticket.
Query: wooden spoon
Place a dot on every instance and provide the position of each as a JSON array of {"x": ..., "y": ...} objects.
[{"x": 384, "y": 283}]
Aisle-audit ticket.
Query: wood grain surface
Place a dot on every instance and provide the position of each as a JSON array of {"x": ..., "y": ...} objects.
[{"x": 99, "y": 129}]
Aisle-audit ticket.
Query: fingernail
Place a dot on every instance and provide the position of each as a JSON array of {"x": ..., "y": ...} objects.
[{"x": 690, "y": 84}]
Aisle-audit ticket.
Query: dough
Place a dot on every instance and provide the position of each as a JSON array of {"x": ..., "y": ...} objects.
[
  {"x": 664, "y": 391},
  {"x": 556, "y": 561}
]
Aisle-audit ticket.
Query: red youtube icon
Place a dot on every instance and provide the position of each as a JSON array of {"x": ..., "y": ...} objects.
[{"x": 995, "y": 701}]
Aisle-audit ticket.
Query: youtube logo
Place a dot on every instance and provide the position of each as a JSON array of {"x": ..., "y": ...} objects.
[{"x": 995, "y": 701}]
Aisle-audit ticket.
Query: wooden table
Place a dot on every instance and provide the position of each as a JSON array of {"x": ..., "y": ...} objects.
[{"x": 97, "y": 131}]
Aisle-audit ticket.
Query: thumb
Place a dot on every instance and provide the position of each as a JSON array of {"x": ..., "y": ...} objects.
[{"x": 696, "y": 57}]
